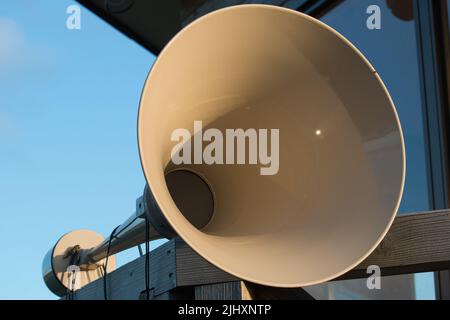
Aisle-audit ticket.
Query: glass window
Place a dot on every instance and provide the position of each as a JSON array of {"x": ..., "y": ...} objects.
[{"x": 392, "y": 49}]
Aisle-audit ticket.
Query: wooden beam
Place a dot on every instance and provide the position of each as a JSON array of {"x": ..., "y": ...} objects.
[
  {"x": 127, "y": 282},
  {"x": 415, "y": 243},
  {"x": 259, "y": 292},
  {"x": 193, "y": 270},
  {"x": 234, "y": 290}
]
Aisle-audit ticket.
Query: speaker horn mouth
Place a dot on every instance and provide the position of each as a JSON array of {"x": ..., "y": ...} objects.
[
  {"x": 341, "y": 148},
  {"x": 193, "y": 196}
]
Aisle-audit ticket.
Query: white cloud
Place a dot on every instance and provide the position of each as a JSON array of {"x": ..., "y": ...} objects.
[
  {"x": 20, "y": 57},
  {"x": 12, "y": 43},
  {"x": 8, "y": 127}
]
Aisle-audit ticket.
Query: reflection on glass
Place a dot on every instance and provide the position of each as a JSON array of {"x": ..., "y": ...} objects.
[{"x": 392, "y": 50}]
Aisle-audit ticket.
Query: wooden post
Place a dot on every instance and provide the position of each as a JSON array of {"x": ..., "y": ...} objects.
[{"x": 415, "y": 243}]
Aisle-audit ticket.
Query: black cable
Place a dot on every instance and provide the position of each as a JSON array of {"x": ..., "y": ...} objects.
[
  {"x": 74, "y": 260},
  {"x": 70, "y": 291},
  {"x": 147, "y": 259},
  {"x": 125, "y": 227},
  {"x": 105, "y": 266}
]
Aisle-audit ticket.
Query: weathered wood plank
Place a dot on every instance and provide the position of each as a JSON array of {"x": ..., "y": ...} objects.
[
  {"x": 220, "y": 291},
  {"x": 260, "y": 292},
  {"x": 127, "y": 282},
  {"x": 192, "y": 269},
  {"x": 243, "y": 290},
  {"x": 415, "y": 243}
]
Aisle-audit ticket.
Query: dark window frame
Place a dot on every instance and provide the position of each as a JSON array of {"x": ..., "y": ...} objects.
[{"x": 431, "y": 30}]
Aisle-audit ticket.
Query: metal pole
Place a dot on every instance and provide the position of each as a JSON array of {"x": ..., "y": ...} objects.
[{"x": 129, "y": 234}]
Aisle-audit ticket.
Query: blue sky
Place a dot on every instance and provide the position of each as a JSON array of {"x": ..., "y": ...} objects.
[
  {"x": 68, "y": 112},
  {"x": 68, "y": 149}
]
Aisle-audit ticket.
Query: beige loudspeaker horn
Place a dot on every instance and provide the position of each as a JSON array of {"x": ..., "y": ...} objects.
[{"x": 341, "y": 158}]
